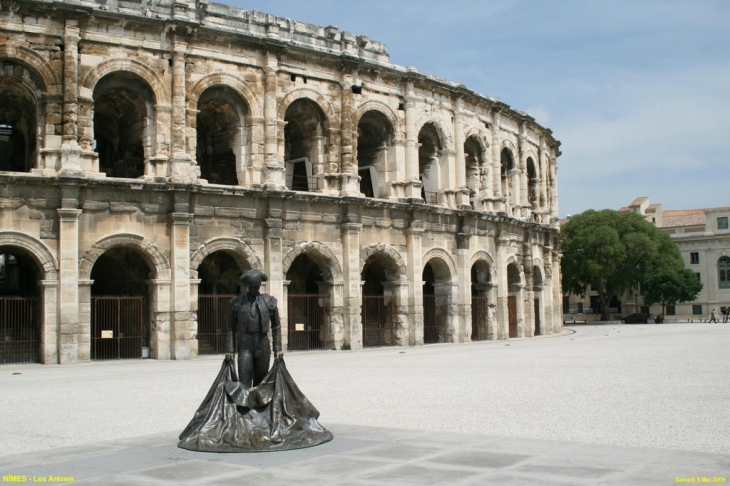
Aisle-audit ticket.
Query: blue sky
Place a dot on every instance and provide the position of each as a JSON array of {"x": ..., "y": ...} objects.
[{"x": 638, "y": 92}]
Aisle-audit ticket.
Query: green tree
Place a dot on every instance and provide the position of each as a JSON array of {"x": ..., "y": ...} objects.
[
  {"x": 611, "y": 252},
  {"x": 669, "y": 286}
]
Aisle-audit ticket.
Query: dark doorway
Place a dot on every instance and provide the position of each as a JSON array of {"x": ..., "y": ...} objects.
[
  {"x": 218, "y": 274},
  {"x": 308, "y": 308},
  {"x": 119, "y": 306},
  {"x": 378, "y": 310},
  {"x": 512, "y": 310},
  {"x": 20, "y": 319}
]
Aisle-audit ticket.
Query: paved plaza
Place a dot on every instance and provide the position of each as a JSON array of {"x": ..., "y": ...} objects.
[{"x": 608, "y": 404}]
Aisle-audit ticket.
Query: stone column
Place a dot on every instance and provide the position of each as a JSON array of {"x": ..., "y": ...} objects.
[
  {"x": 68, "y": 305},
  {"x": 497, "y": 164},
  {"x": 462, "y": 195},
  {"x": 273, "y": 234},
  {"x": 181, "y": 163},
  {"x": 502, "y": 310},
  {"x": 414, "y": 236},
  {"x": 353, "y": 290},
  {"x": 70, "y": 148},
  {"x": 49, "y": 311},
  {"x": 463, "y": 291},
  {"x": 413, "y": 186},
  {"x": 183, "y": 328},
  {"x": 349, "y": 176},
  {"x": 274, "y": 179}
]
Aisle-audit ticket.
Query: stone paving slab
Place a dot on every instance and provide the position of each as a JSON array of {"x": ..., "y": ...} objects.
[{"x": 368, "y": 456}]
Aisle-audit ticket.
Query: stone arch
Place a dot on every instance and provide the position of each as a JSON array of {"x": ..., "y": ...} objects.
[
  {"x": 515, "y": 262},
  {"x": 314, "y": 96},
  {"x": 538, "y": 273},
  {"x": 479, "y": 134},
  {"x": 390, "y": 253},
  {"x": 446, "y": 257},
  {"x": 31, "y": 59},
  {"x": 447, "y": 138},
  {"x": 149, "y": 251},
  {"x": 483, "y": 256},
  {"x": 241, "y": 252},
  {"x": 321, "y": 255},
  {"x": 40, "y": 253},
  {"x": 147, "y": 74},
  {"x": 382, "y": 108},
  {"x": 237, "y": 84}
]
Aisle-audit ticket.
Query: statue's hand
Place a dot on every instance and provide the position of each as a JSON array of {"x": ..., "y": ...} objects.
[
  {"x": 231, "y": 356},
  {"x": 279, "y": 354}
]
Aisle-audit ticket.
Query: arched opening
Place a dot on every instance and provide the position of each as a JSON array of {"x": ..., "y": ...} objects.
[
  {"x": 723, "y": 272},
  {"x": 120, "y": 305},
  {"x": 305, "y": 147},
  {"x": 308, "y": 305},
  {"x": 480, "y": 286},
  {"x": 18, "y": 118},
  {"x": 123, "y": 124},
  {"x": 537, "y": 284},
  {"x": 436, "y": 301},
  {"x": 20, "y": 307},
  {"x": 374, "y": 136},
  {"x": 221, "y": 135},
  {"x": 533, "y": 184},
  {"x": 218, "y": 273},
  {"x": 379, "y": 302},
  {"x": 429, "y": 151},
  {"x": 507, "y": 165},
  {"x": 514, "y": 282},
  {"x": 474, "y": 159}
]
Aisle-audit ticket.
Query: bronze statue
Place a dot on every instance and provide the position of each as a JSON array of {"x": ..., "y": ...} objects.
[
  {"x": 256, "y": 410},
  {"x": 251, "y": 315}
]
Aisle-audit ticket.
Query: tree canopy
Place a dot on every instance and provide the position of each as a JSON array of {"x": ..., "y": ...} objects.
[{"x": 612, "y": 252}]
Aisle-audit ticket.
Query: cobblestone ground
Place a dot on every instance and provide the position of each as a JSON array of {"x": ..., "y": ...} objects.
[{"x": 663, "y": 386}]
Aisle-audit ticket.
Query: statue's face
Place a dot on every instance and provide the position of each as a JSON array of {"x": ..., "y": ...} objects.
[{"x": 254, "y": 289}]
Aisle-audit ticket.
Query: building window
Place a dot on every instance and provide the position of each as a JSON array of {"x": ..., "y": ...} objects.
[
  {"x": 722, "y": 223},
  {"x": 694, "y": 258},
  {"x": 671, "y": 311},
  {"x": 697, "y": 310},
  {"x": 723, "y": 271},
  {"x": 699, "y": 277}
]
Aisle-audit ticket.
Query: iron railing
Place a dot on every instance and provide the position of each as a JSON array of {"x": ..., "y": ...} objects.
[
  {"x": 308, "y": 316},
  {"x": 118, "y": 329},
  {"x": 378, "y": 322},
  {"x": 19, "y": 330},
  {"x": 434, "y": 319},
  {"x": 478, "y": 318},
  {"x": 212, "y": 316}
]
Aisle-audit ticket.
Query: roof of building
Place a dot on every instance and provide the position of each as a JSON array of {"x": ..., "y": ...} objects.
[
  {"x": 683, "y": 217},
  {"x": 638, "y": 201}
]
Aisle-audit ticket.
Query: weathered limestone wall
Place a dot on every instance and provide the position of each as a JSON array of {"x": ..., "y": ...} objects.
[{"x": 186, "y": 79}]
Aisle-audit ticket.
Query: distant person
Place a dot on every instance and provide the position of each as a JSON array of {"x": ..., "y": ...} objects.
[
  {"x": 713, "y": 317},
  {"x": 725, "y": 313}
]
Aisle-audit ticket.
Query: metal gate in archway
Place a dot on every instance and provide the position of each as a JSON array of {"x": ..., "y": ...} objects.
[
  {"x": 378, "y": 321},
  {"x": 212, "y": 317},
  {"x": 118, "y": 328},
  {"x": 19, "y": 330},
  {"x": 434, "y": 318},
  {"x": 478, "y": 318},
  {"x": 307, "y": 317}
]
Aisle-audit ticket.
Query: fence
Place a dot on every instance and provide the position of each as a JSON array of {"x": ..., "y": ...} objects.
[
  {"x": 378, "y": 321},
  {"x": 19, "y": 330},
  {"x": 118, "y": 329},
  {"x": 308, "y": 317},
  {"x": 212, "y": 316}
]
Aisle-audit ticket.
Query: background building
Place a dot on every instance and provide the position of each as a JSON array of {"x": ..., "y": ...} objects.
[
  {"x": 150, "y": 152},
  {"x": 703, "y": 239}
]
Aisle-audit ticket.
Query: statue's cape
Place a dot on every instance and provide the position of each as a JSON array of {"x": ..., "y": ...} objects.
[{"x": 273, "y": 416}]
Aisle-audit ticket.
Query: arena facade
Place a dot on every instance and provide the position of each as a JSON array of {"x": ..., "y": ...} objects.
[{"x": 151, "y": 151}]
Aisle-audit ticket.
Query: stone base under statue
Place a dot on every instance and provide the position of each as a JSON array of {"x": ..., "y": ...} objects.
[{"x": 273, "y": 416}]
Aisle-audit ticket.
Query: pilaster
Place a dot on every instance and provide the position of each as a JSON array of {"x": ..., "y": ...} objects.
[
  {"x": 414, "y": 237},
  {"x": 352, "y": 290},
  {"x": 183, "y": 328},
  {"x": 68, "y": 303}
]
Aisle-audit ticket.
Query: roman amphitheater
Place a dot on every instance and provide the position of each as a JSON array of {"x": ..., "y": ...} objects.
[{"x": 152, "y": 150}]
